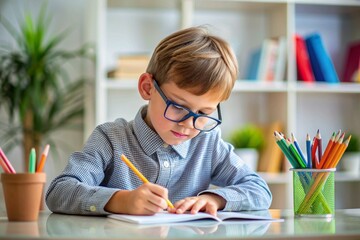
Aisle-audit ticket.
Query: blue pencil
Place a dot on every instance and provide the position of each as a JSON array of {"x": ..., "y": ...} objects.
[
  {"x": 298, "y": 149},
  {"x": 308, "y": 151}
]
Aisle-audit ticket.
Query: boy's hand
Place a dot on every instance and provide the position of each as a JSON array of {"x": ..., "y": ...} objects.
[
  {"x": 209, "y": 203},
  {"x": 147, "y": 199}
]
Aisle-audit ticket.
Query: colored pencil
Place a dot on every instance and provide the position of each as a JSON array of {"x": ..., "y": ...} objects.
[
  {"x": 139, "y": 174},
  {"x": 308, "y": 151},
  {"x": 32, "y": 160},
  {"x": 4, "y": 166},
  {"x": 6, "y": 162},
  {"x": 343, "y": 147},
  {"x": 283, "y": 146},
  {"x": 314, "y": 146},
  {"x": 327, "y": 150},
  {"x": 319, "y": 148},
  {"x": 296, "y": 155},
  {"x": 43, "y": 158},
  {"x": 331, "y": 159},
  {"x": 298, "y": 149}
]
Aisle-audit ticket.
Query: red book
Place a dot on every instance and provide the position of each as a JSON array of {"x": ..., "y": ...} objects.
[
  {"x": 304, "y": 69},
  {"x": 352, "y": 62}
]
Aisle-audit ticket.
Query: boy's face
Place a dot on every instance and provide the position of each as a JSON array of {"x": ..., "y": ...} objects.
[{"x": 174, "y": 133}]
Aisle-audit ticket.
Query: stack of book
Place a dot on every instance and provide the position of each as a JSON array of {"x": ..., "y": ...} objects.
[
  {"x": 313, "y": 61},
  {"x": 267, "y": 63},
  {"x": 130, "y": 66}
]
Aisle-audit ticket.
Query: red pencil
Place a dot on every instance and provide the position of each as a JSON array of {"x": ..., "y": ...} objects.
[
  {"x": 313, "y": 152},
  {"x": 319, "y": 149}
]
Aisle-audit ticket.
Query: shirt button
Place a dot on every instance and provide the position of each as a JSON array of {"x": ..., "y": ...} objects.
[
  {"x": 165, "y": 145},
  {"x": 92, "y": 208},
  {"x": 166, "y": 164}
]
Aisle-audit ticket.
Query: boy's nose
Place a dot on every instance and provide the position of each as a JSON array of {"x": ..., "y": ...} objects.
[{"x": 188, "y": 123}]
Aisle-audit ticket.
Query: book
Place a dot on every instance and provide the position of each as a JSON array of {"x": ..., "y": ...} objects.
[
  {"x": 322, "y": 65},
  {"x": 271, "y": 157},
  {"x": 268, "y": 62},
  {"x": 268, "y": 55},
  {"x": 352, "y": 63},
  {"x": 165, "y": 217},
  {"x": 253, "y": 66},
  {"x": 304, "y": 69},
  {"x": 130, "y": 66},
  {"x": 280, "y": 64}
]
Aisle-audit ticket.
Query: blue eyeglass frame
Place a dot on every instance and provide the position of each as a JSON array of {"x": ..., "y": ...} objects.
[{"x": 190, "y": 114}]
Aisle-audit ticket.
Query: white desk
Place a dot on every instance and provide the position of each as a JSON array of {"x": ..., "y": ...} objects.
[{"x": 345, "y": 225}]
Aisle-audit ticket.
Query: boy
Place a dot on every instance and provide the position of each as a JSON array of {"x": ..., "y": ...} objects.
[{"x": 174, "y": 142}]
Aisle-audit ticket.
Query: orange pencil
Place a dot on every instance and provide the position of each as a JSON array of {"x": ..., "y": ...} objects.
[
  {"x": 139, "y": 174},
  {"x": 327, "y": 150},
  {"x": 43, "y": 158},
  {"x": 331, "y": 159},
  {"x": 343, "y": 147}
]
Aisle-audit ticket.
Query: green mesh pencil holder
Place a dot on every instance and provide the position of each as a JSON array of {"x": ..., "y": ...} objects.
[{"x": 314, "y": 192}]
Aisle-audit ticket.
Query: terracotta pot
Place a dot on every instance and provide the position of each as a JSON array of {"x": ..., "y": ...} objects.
[{"x": 22, "y": 193}]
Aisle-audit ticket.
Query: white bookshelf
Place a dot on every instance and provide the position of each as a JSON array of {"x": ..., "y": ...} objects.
[{"x": 138, "y": 25}]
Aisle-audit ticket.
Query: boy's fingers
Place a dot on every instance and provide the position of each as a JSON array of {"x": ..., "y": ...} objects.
[
  {"x": 211, "y": 209},
  {"x": 186, "y": 205},
  {"x": 158, "y": 202},
  {"x": 198, "y": 206},
  {"x": 158, "y": 190}
]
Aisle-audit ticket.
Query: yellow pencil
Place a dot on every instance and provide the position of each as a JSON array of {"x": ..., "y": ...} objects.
[{"x": 139, "y": 174}]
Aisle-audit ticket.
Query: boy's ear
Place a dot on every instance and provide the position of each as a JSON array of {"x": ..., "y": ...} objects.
[{"x": 145, "y": 86}]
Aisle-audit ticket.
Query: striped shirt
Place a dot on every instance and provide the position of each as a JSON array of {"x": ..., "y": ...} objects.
[{"x": 94, "y": 174}]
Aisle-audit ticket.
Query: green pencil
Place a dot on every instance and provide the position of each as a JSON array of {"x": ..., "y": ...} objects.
[{"x": 32, "y": 160}]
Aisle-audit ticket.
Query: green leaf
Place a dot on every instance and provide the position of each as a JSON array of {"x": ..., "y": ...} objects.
[{"x": 34, "y": 78}]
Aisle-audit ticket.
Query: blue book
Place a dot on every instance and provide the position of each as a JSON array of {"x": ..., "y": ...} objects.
[
  {"x": 253, "y": 66},
  {"x": 322, "y": 65}
]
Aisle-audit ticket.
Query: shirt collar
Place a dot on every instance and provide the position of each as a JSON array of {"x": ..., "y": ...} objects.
[{"x": 150, "y": 141}]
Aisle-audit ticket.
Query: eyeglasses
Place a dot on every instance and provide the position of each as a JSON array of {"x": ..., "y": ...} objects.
[{"x": 177, "y": 113}]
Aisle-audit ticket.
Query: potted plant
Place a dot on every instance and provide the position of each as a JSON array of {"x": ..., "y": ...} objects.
[
  {"x": 35, "y": 87},
  {"x": 350, "y": 161},
  {"x": 248, "y": 141}
]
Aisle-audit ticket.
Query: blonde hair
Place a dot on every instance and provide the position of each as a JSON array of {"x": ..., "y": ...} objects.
[{"x": 195, "y": 61}]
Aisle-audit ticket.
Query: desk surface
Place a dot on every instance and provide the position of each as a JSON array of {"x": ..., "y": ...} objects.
[{"x": 345, "y": 225}]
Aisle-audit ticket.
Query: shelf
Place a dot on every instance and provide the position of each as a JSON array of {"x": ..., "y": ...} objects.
[
  {"x": 335, "y": 6},
  {"x": 328, "y": 88},
  {"x": 239, "y": 5},
  {"x": 346, "y": 177},
  {"x": 155, "y": 4},
  {"x": 254, "y": 86}
]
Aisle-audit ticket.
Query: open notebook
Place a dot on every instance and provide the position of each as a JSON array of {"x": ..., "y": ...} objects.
[{"x": 165, "y": 217}]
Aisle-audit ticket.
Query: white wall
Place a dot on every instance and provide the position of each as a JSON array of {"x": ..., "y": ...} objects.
[{"x": 64, "y": 14}]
